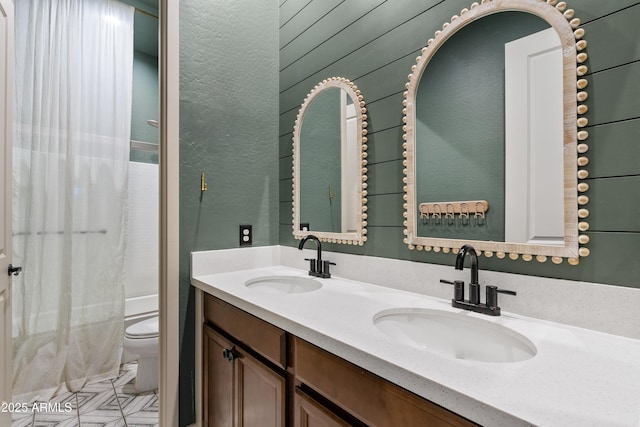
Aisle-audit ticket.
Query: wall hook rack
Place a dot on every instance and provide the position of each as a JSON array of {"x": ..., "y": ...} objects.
[{"x": 450, "y": 209}]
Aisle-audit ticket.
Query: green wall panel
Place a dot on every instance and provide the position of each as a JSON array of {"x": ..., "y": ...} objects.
[
  {"x": 384, "y": 178},
  {"x": 614, "y": 204},
  {"x": 312, "y": 12},
  {"x": 286, "y": 165},
  {"x": 346, "y": 55},
  {"x": 589, "y": 10},
  {"x": 286, "y": 213},
  {"x": 285, "y": 189},
  {"x": 286, "y": 236},
  {"x": 288, "y": 118},
  {"x": 385, "y": 145},
  {"x": 388, "y": 209},
  {"x": 618, "y": 90},
  {"x": 622, "y": 27},
  {"x": 289, "y": 9},
  {"x": 377, "y": 50},
  {"x": 614, "y": 149},
  {"x": 315, "y": 30},
  {"x": 286, "y": 144},
  {"x": 385, "y": 113},
  {"x": 387, "y": 79}
]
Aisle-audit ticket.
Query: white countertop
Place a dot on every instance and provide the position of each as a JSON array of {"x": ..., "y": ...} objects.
[{"x": 577, "y": 378}]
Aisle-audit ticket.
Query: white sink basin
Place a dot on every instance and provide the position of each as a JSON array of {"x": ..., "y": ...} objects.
[
  {"x": 284, "y": 284},
  {"x": 455, "y": 335}
]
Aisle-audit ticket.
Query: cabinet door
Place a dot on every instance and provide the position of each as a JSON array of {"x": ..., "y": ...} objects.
[
  {"x": 260, "y": 393},
  {"x": 309, "y": 413},
  {"x": 218, "y": 381},
  {"x": 239, "y": 390}
]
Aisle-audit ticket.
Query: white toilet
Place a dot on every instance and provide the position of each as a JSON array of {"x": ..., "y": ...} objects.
[{"x": 141, "y": 340}]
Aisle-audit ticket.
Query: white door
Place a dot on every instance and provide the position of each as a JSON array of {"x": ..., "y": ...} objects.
[
  {"x": 6, "y": 105},
  {"x": 534, "y": 140}
]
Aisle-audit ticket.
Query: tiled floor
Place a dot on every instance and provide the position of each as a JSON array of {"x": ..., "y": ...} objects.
[{"x": 110, "y": 403}]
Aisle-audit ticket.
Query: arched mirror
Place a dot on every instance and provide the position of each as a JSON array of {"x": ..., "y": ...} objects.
[
  {"x": 493, "y": 138},
  {"x": 329, "y": 164}
]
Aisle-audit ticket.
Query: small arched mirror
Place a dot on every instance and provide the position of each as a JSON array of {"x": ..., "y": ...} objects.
[
  {"x": 329, "y": 164},
  {"x": 493, "y": 138}
]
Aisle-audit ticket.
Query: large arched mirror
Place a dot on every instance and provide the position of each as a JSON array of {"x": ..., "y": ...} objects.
[
  {"x": 493, "y": 138},
  {"x": 329, "y": 164}
]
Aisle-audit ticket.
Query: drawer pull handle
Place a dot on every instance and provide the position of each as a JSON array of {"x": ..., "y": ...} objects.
[
  {"x": 13, "y": 271},
  {"x": 230, "y": 354}
]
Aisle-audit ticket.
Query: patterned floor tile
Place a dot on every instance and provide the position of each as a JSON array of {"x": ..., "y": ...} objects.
[
  {"x": 128, "y": 389},
  {"x": 21, "y": 419},
  {"x": 67, "y": 397},
  {"x": 138, "y": 421},
  {"x": 127, "y": 375},
  {"x": 58, "y": 420},
  {"x": 145, "y": 402},
  {"x": 103, "y": 404},
  {"x": 98, "y": 387},
  {"x": 98, "y": 420}
]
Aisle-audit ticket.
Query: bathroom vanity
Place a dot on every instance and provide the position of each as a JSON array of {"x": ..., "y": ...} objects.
[
  {"x": 278, "y": 347},
  {"x": 256, "y": 371}
]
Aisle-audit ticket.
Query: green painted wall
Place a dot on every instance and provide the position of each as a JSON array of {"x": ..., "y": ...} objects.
[
  {"x": 375, "y": 42},
  {"x": 145, "y": 98},
  {"x": 229, "y": 131},
  {"x": 145, "y": 104}
]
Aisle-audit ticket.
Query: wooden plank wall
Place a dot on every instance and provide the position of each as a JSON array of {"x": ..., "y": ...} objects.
[{"x": 375, "y": 42}]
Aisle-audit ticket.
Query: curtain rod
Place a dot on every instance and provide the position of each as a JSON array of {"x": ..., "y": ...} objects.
[{"x": 144, "y": 12}]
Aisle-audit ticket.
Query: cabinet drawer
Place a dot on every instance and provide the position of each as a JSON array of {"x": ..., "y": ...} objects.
[
  {"x": 370, "y": 398},
  {"x": 309, "y": 413},
  {"x": 258, "y": 335}
]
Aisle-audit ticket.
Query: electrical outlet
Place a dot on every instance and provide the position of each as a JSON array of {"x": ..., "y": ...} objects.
[{"x": 246, "y": 235}]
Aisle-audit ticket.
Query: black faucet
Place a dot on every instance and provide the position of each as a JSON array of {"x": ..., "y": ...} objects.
[
  {"x": 317, "y": 267},
  {"x": 474, "y": 286},
  {"x": 490, "y": 306}
]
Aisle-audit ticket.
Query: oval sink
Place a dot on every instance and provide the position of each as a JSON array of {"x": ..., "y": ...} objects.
[
  {"x": 285, "y": 284},
  {"x": 455, "y": 335}
]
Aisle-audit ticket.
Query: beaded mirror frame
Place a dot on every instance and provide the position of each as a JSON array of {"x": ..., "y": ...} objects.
[
  {"x": 358, "y": 236},
  {"x": 562, "y": 19}
]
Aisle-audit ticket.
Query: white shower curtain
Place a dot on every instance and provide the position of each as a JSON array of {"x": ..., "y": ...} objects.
[{"x": 74, "y": 62}]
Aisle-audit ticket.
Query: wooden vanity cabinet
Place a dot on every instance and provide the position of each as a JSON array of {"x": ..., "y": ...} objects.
[
  {"x": 370, "y": 399},
  {"x": 242, "y": 387},
  {"x": 310, "y": 413},
  {"x": 256, "y": 374}
]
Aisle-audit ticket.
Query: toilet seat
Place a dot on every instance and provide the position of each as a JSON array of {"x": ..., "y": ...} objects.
[{"x": 143, "y": 330}]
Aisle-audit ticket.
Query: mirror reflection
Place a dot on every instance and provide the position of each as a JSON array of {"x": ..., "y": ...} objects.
[
  {"x": 328, "y": 147},
  {"x": 492, "y": 134},
  {"x": 328, "y": 185},
  {"x": 461, "y": 132}
]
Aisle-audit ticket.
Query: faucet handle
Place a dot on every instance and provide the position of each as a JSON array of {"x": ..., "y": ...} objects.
[
  {"x": 325, "y": 268},
  {"x": 312, "y": 265},
  {"x": 492, "y": 295},
  {"x": 458, "y": 285}
]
